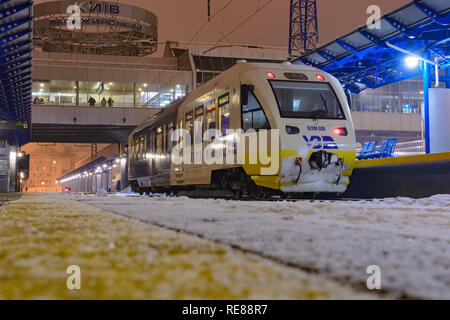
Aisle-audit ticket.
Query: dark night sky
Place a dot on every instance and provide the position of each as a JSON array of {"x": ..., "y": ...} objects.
[{"x": 180, "y": 19}]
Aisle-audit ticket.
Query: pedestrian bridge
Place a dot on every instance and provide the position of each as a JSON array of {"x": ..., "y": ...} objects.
[
  {"x": 94, "y": 124},
  {"x": 54, "y": 123}
]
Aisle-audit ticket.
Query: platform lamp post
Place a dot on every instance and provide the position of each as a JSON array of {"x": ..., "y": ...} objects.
[{"x": 425, "y": 59}]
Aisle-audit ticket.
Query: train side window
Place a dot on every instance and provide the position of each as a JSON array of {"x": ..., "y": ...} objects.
[
  {"x": 164, "y": 139},
  {"x": 150, "y": 142},
  {"x": 159, "y": 140},
  {"x": 224, "y": 113},
  {"x": 210, "y": 108},
  {"x": 199, "y": 112},
  {"x": 145, "y": 143},
  {"x": 189, "y": 122},
  {"x": 253, "y": 116},
  {"x": 136, "y": 148},
  {"x": 198, "y": 130},
  {"x": 169, "y": 137},
  {"x": 180, "y": 135},
  {"x": 154, "y": 141},
  {"x": 141, "y": 147}
]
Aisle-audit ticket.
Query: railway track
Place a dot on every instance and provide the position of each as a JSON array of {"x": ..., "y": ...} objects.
[{"x": 273, "y": 198}]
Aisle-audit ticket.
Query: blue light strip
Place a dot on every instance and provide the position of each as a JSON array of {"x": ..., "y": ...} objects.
[{"x": 16, "y": 34}]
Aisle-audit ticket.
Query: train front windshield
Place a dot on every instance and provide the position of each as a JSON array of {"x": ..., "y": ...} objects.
[{"x": 309, "y": 100}]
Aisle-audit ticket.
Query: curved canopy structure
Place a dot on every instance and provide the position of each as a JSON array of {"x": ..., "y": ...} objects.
[
  {"x": 16, "y": 32},
  {"x": 371, "y": 57}
]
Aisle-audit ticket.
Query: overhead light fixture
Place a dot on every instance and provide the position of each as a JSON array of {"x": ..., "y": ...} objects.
[{"x": 412, "y": 62}]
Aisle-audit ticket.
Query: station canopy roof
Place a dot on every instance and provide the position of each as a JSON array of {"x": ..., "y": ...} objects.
[
  {"x": 363, "y": 58},
  {"x": 16, "y": 32}
]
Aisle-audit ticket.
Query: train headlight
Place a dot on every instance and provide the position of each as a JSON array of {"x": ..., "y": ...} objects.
[{"x": 292, "y": 130}]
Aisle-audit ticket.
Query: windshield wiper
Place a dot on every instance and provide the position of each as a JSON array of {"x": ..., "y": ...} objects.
[
  {"x": 324, "y": 102},
  {"x": 320, "y": 113}
]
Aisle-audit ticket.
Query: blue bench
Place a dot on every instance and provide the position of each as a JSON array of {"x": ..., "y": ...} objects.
[
  {"x": 367, "y": 149},
  {"x": 386, "y": 149}
]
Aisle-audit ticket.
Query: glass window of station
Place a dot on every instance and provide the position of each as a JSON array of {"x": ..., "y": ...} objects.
[
  {"x": 401, "y": 97},
  {"x": 106, "y": 94}
]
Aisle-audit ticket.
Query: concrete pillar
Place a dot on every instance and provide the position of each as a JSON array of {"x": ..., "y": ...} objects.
[{"x": 439, "y": 100}]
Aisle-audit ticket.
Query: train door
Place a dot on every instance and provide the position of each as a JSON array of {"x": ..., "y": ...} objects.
[
  {"x": 254, "y": 122},
  {"x": 178, "y": 168}
]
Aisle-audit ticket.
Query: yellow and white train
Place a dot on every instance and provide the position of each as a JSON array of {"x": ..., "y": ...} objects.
[{"x": 255, "y": 129}]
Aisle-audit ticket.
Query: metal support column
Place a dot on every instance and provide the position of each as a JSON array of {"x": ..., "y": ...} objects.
[{"x": 426, "y": 101}]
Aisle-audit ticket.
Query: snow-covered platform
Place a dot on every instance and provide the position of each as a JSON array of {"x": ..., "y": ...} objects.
[
  {"x": 123, "y": 258},
  {"x": 408, "y": 239},
  {"x": 415, "y": 176}
]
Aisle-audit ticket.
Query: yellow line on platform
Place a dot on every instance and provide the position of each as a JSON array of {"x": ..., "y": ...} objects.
[
  {"x": 404, "y": 160},
  {"x": 121, "y": 258}
]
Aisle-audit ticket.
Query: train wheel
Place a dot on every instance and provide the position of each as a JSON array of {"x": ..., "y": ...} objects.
[
  {"x": 237, "y": 194},
  {"x": 260, "y": 194}
]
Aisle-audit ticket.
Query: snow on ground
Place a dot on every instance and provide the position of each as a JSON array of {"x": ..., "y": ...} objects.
[
  {"x": 121, "y": 258},
  {"x": 408, "y": 239}
]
